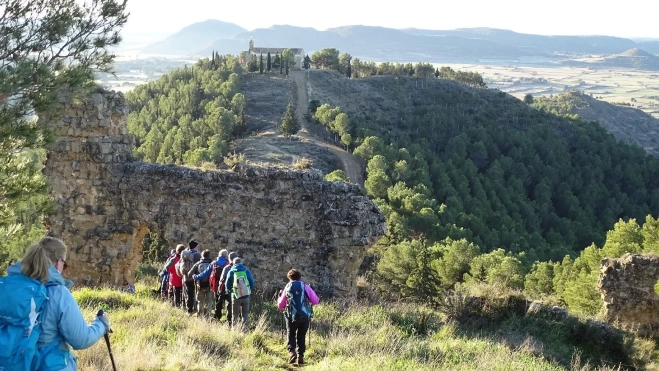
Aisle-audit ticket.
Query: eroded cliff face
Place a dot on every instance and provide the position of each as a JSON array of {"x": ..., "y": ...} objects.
[
  {"x": 627, "y": 288},
  {"x": 275, "y": 219}
]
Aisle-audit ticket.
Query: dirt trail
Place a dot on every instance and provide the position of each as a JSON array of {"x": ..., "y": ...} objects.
[{"x": 351, "y": 165}]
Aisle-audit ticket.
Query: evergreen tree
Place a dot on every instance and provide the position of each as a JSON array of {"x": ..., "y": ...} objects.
[
  {"x": 289, "y": 122},
  {"x": 286, "y": 68},
  {"x": 46, "y": 47},
  {"x": 349, "y": 70},
  {"x": 269, "y": 64},
  {"x": 261, "y": 64},
  {"x": 306, "y": 64},
  {"x": 276, "y": 62}
]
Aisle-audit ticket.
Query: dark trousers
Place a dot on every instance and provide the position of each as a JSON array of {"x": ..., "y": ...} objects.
[
  {"x": 222, "y": 300},
  {"x": 177, "y": 296},
  {"x": 189, "y": 294},
  {"x": 297, "y": 333}
]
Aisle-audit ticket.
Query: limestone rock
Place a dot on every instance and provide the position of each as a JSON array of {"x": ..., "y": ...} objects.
[
  {"x": 627, "y": 288},
  {"x": 275, "y": 219}
]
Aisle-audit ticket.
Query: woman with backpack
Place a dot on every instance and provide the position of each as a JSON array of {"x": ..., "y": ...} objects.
[
  {"x": 296, "y": 300},
  {"x": 175, "y": 280},
  {"x": 59, "y": 321}
]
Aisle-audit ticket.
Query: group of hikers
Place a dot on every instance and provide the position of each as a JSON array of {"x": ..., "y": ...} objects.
[
  {"x": 41, "y": 322},
  {"x": 196, "y": 282}
]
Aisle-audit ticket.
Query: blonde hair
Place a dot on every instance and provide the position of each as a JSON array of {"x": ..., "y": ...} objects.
[
  {"x": 180, "y": 248},
  {"x": 39, "y": 257}
]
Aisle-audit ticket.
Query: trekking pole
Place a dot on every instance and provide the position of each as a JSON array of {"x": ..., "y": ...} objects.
[{"x": 107, "y": 341}]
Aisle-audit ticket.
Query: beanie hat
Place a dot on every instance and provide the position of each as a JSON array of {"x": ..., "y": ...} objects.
[{"x": 193, "y": 243}]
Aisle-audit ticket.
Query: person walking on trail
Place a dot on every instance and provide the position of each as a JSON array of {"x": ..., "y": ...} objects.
[
  {"x": 189, "y": 257},
  {"x": 36, "y": 287},
  {"x": 213, "y": 274},
  {"x": 240, "y": 283},
  {"x": 166, "y": 291},
  {"x": 174, "y": 279},
  {"x": 205, "y": 296},
  {"x": 226, "y": 294},
  {"x": 296, "y": 300}
]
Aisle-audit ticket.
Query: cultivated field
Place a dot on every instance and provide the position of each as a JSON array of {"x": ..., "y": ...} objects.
[{"x": 610, "y": 85}]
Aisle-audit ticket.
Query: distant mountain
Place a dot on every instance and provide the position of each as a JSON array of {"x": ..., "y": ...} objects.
[
  {"x": 633, "y": 58},
  {"x": 194, "y": 37},
  {"x": 650, "y": 46},
  {"x": 469, "y": 45}
]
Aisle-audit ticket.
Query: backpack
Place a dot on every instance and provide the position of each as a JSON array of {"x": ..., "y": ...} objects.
[
  {"x": 214, "y": 279},
  {"x": 298, "y": 307},
  {"x": 201, "y": 268},
  {"x": 241, "y": 284},
  {"x": 185, "y": 264},
  {"x": 21, "y": 312}
]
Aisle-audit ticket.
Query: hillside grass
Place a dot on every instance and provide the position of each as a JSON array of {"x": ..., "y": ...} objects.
[{"x": 152, "y": 335}]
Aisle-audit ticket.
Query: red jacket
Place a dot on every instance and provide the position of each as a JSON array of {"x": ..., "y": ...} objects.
[{"x": 174, "y": 279}]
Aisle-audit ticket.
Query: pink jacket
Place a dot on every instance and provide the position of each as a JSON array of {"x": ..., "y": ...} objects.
[{"x": 283, "y": 300}]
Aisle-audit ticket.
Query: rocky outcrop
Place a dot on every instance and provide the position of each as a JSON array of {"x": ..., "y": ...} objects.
[
  {"x": 275, "y": 219},
  {"x": 627, "y": 288}
]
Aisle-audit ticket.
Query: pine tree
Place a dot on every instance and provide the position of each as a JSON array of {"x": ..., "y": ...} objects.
[
  {"x": 286, "y": 68},
  {"x": 261, "y": 64},
  {"x": 269, "y": 64},
  {"x": 349, "y": 70},
  {"x": 289, "y": 122}
]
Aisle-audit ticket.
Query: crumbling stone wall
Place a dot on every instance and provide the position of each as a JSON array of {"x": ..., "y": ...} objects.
[
  {"x": 275, "y": 219},
  {"x": 627, "y": 288}
]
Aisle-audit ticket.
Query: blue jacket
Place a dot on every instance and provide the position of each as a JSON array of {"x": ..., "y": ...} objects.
[
  {"x": 229, "y": 283},
  {"x": 221, "y": 260},
  {"x": 63, "y": 324}
]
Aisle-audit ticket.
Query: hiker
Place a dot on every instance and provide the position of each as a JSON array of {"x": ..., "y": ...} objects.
[
  {"x": 240, "y": 284},
  {"x": 127, "y": 288},
  {"x": 57, "y": 326},
  {"x": 226, "y": 296},
  {"x": 296, "y": 300},
  {"x": 204, "y": 294},
  {"x": 213, "y": 274},
  {"x": 189, "y": 257},
  {"x": 175, "y": 280},
  {"x": 166, "y": 291}
]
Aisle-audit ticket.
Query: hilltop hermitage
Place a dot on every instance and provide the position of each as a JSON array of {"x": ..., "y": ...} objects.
[{"x": 256, "y": 52}]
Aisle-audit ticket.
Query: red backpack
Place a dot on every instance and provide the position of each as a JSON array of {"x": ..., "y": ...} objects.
[{"x": 216, "y": 273}]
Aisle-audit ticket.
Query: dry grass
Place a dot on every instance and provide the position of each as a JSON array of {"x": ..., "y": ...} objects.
[{"x": 152, "y": 335}]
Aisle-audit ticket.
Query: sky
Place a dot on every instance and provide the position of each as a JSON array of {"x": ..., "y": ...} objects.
[{"x": 632, "y": 18}]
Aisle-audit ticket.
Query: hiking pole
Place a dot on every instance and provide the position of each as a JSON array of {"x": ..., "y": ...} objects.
[{"x": 107, "y": 341}]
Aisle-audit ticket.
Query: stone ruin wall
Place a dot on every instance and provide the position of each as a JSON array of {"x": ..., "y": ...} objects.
[
  {"x": 275, "y": 219},
  {"x": 627, "y": 288}
]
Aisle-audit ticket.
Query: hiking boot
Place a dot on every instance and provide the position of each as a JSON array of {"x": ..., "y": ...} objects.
[
  {"x": 300, "y": 359},
  {"x": 292, "y": 357}
]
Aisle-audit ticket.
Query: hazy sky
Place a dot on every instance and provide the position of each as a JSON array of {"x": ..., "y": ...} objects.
[{"x": 633, "y": 18}]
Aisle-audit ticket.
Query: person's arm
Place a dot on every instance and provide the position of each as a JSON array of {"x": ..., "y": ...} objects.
[
  {"x": 283, "y": 300},
  {"x": 250, "y": 278},
  {"x": 229, "y": 282},
  {"x": 225, "y": 273},
  {"x": 72, "y": 325},
  {"x": 170, "y": 262},
  {"x": 313, "y": 298},
  {"x": 207, "y": 273}
]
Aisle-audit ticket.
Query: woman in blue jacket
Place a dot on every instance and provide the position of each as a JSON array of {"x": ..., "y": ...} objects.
[{"x": 63, "y": 326}]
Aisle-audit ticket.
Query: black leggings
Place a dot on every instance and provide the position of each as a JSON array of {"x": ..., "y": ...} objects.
[{"x": 297, "y": 333}]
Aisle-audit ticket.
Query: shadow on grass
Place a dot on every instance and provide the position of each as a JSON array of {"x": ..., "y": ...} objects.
[{"x": 559, "y": 340}]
